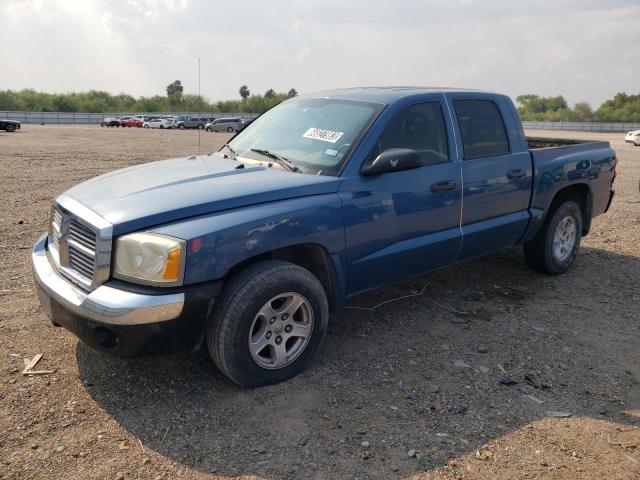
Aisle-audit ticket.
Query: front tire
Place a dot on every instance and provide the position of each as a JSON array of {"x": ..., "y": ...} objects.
[
  {"x": 230, "y": 129},
  {"x": 11, "y": 128},
  {"x": 209, "y": 130},
  {"x": 268, "y": 323},
  {"x": 554, "y": 248}
]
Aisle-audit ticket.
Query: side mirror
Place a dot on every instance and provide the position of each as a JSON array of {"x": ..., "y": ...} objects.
[{"x": 393, "y": 160}]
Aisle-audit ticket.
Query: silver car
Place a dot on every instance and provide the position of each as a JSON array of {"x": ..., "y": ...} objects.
[{"x": 231, "y": 124}]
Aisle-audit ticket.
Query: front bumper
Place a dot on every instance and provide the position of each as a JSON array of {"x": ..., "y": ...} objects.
[{"x": 120, "y": 321}]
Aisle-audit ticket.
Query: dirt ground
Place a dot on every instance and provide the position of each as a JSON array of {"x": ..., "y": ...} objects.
[{"x": 411, "y": 389}]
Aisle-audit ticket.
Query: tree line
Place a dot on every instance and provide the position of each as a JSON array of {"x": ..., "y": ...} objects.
[
  {"x": 96, "y": 101},
  {"x": 621, "y": 108}
]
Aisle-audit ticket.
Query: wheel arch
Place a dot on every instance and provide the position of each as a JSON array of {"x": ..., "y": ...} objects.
[
  {"x": 579, "y": 193},
  {"x": 311, "y": 256}
]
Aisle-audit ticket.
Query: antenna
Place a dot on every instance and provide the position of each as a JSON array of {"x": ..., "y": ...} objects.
[{"x": 199, "y": 104}]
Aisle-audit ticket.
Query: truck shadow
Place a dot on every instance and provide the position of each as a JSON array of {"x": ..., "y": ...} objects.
[{"x": 433, "y": 372}]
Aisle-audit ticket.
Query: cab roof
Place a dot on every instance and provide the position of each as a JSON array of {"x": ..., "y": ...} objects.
[{"x": 383, "y": 95}]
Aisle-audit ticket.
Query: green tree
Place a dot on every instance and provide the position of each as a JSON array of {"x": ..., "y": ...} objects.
[
  {"x": 582, "y": 112},
  {"x": 174, "y": 93},
  {"x": 244, "y": 92},
  {"x": 271, "y": 93},
  {"x": 292, "y": 93},
  {"x": 621, "y": 108},
  {"x": 534, "y": 107},
  {"x": 175, "y": 89}
]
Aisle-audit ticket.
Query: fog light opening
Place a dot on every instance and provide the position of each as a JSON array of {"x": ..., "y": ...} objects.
[{"x": 105, "y": 338}]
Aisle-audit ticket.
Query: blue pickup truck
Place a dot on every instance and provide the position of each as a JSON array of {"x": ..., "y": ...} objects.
[{"x": 323, "y": 197}]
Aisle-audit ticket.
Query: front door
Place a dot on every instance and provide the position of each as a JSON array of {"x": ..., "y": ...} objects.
[{"x": 404, "y": 223}]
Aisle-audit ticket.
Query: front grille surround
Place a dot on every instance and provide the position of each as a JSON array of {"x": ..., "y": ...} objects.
[{"x": 79, "y": 243}]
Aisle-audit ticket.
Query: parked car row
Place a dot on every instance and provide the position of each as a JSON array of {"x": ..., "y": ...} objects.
[
  {"x": 223, "y": 124},
  {"x": 133, "y": 121}
]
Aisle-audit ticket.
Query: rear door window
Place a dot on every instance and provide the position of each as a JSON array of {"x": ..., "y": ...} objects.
[{"x": 482, "y": 129}]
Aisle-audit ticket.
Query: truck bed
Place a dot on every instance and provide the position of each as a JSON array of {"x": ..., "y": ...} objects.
[{"x": 542, "y": 142}]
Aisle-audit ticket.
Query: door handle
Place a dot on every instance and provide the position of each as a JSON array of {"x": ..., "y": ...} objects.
[
  {"x": 445, "y": 186},
  {"x": 513, "y": 174}
]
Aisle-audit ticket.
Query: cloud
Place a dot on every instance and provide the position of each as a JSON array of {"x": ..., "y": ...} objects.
[{"x": 584, "y": 50}]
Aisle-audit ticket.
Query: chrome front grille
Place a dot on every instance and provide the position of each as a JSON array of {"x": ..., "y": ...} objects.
[
  {"x": 84, "y": 237},
  {"x": 80, "y": 243},
  {"x": 82, "y": 248}
]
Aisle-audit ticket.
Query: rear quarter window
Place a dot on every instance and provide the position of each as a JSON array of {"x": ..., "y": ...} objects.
[{"x": 482, "y": 129}]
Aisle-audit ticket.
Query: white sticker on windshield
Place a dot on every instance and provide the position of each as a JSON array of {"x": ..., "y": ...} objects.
[
  {"x": 330, "y": 136},
  {"x": 331, "y": 151}
]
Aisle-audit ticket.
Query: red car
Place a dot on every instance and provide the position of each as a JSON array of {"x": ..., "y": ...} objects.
[{"x": 132, "y": 122}]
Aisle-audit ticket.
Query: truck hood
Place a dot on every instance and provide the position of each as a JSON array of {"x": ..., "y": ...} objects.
[{"x": 160, "y": 192}]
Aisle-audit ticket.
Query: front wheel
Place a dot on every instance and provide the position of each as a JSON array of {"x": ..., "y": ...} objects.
[
  {"x": 268, "y": 323},
  {"x": 11, "y": 128},
  {"x": 230, "y": 129},
  {"x": 208, "y": 129},
  {"x": 554, "y": 248}
]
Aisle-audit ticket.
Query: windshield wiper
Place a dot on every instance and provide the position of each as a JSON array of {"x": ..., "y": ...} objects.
[
  {"x": 233, "y": 152},
  {"x": 280, "y": 160}
]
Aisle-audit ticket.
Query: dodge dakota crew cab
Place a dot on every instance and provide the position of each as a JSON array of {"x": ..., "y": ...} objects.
[{"x": 323, "y": 197}]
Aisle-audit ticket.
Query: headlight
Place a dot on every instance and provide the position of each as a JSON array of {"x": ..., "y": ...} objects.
[{"x": 150, "y": 259}]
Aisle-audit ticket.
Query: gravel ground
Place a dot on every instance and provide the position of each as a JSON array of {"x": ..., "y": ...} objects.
[{"x": 460, "y": 381}]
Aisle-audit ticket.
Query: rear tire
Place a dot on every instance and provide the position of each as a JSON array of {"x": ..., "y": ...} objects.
[
  {"x": 11, "y": 128},
  {"x": 554, "y": 248},
  {"x": 230, "y": 129},
  {"x": 239, "y": 319}
]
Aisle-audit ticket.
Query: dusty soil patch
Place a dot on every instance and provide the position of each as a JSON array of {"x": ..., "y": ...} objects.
[{"x": 421, "y": 375}]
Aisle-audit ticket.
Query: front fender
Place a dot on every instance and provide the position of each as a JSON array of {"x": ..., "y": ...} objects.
[{"x": 218, "y": 242}]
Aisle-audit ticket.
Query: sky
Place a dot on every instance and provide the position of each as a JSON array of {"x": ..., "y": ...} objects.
[{"x": 586, "y": 50}]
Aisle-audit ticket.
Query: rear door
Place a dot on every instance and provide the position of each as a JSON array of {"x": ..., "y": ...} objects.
[{"x": 496, "y": 176}]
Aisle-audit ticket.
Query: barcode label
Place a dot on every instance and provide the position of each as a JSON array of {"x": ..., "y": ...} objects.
[{"x": 330, "y": 136}]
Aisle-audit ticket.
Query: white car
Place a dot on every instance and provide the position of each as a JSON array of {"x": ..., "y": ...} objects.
[
  {"x": 633, "y": 137},
  {"x": 159, "y": 123}
]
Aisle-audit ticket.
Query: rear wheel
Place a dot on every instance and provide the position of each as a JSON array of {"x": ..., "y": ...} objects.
[
  {"x": 268, "y": 323},
  {"x": 229, "y": 129},
  {"x": 11, "y": 128},
  {"x": 161, "y": 126},
  {"x": 554, "y": 248},
  {"x": 200, "y": 127}
]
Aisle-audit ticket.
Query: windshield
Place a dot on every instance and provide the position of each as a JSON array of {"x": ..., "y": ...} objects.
[{"x": 311, "y": 133}]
